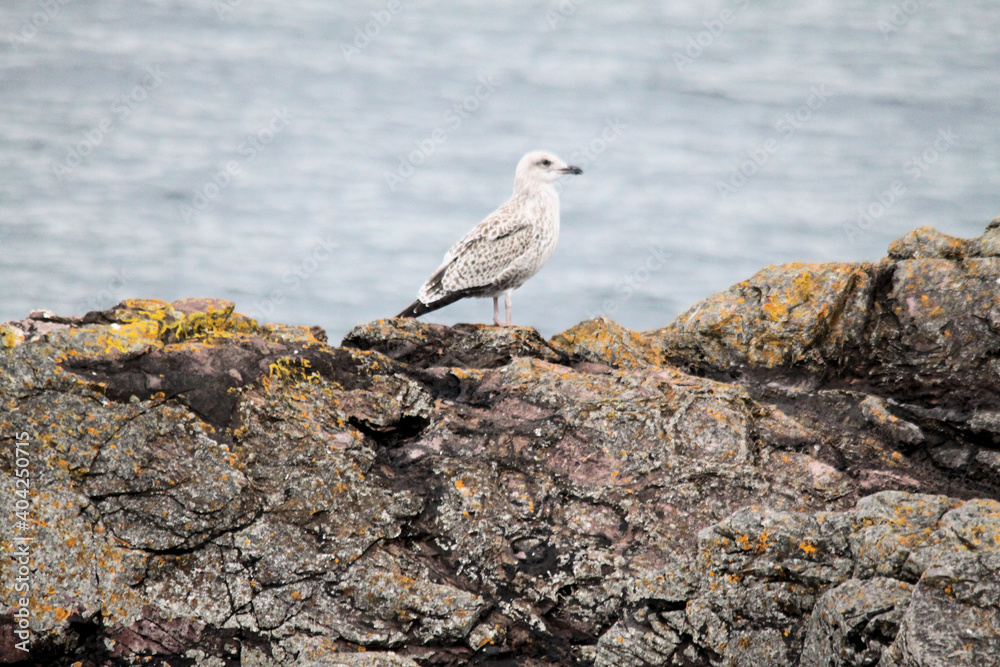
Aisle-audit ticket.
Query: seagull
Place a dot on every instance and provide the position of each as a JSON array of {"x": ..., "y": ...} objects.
[{"x": 500, "y": 253}]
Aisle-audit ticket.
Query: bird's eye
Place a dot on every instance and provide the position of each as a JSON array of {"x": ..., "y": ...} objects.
[{"x": 546, "y": 163}]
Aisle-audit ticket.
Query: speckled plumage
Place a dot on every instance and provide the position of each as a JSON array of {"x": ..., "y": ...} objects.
[{"x": 507, "y": 248}]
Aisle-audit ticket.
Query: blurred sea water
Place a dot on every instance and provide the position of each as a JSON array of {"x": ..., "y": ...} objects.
[{"x": 313, "y": 161}]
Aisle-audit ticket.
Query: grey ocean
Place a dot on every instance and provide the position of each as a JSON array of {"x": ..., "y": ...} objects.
[{"x": 313, "y": 161}]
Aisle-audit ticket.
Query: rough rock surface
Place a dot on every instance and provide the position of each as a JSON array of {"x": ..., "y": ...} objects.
[{"x": 801, "y": 470}]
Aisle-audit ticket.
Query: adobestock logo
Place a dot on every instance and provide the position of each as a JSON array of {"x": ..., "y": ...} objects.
[
  {"x": 787, "y": 125},
  {"x": 363, "y": 35},
  {"x": 454, "y": 118},
  {"x": 47, "y": 10},
  {"x": 630, "y": 284},
  {"x": 123, "y": 106},
  {"x": 250, "y": 148},
  {"x": 914, "y": 169},
  {"x": 298, "y": 273},
  {"x": 698, "y": 43},
  {"x": 557, "y": 15}
]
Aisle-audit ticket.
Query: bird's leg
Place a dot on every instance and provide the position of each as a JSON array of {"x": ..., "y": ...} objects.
[
  {"x": 506, "y": 304},
  {"x": 496, "y": 311}
]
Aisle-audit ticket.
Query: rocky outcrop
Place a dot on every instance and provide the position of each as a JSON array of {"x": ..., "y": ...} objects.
[{"x": 803, "y": 469}]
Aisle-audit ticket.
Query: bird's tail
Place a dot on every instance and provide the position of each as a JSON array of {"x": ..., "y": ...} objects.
[
  {"x": 418, "y": 307},
  {"x": 415, "y": 309}
]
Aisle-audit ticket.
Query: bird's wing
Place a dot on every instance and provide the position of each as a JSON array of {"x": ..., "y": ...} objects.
[
  {"x": 505, "y": 220},
  {"x": 482, "y": 255}
]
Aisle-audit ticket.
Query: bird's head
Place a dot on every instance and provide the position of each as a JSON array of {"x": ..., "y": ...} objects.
[{"x": 541, "y": 168}]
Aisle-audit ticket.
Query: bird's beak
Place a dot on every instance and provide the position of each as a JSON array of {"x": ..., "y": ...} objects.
[{"x": 571, "y": 170}]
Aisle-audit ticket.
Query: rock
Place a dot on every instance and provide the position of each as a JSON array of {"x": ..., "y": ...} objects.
[
  {"x": 989, "y": 460},
  {"x": 892, "y": 579},
  {"x": 928, "y": 242},
  {"x": 954, "y": 614},
  {"x": 954, "y": 457},
  {"x": 784, "y": 316},
  {"x": 877, "y": 412},
  {"x": 866, "y": 326},
  {"x": 912, "y": 342},
  {"x": 852, "y": 624},
  {"x": 799, "y": 470},
  {"x": 984, "y": 421},
  {"x": 464, "y": 346},
  {"x": 379, "y": 585},
  {"x": 380, "y": 659},
  {"x": 987, "y": 245},
  {"x": 603, "y": 341}
]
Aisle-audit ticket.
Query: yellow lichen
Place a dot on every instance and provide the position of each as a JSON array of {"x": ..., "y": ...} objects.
[{"x": 10, "y": 337}]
